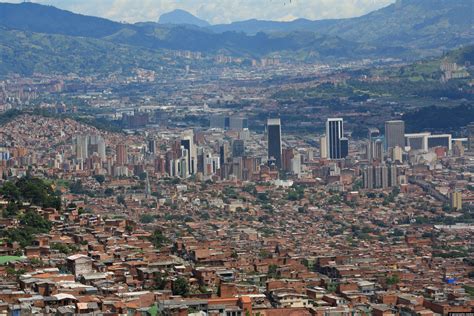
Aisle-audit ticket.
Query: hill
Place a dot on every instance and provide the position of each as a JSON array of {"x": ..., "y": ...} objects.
[
  {"x": 38, "y": 18},
  {"x": 430, "y": 69},
  {"x": 38, "y": 38},
  {"x": 462, "y": 56},
  {"x": 26, "y": 52},
  {"x": 434, "y": 118},
  {"x": 254, "y": 26},
  {"x": 423, "y": 24},
  {"x": 427, "y": 27},
  {"x": 182, "y": 17}
]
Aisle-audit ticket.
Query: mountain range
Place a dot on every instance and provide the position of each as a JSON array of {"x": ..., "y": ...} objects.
[
  {"x": 182, "y": 17},
  {"x": 42, "y": 38}
]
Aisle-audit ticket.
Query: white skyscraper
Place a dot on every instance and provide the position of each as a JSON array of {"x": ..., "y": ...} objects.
[
  {"x": 82, "y": 142},
  {"x": 323, "y": 147}
]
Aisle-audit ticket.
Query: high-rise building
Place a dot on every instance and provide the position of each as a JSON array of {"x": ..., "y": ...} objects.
[
  {"x": 377, "y": 150},
  {"x": 224, "y": 153},
  {"x": 121, "y": 155},
  {"x": 151, "y": 146},
  {"x": 368, "y": 177},
  {"x": 323, "y": 147},
  {"x": 211, "y": 165},
  {"x": 334, "y": 134},
  {"x": 218, "y": 121},
  {"x": 238, "y": 148},
  {"x": 392, "y": 176},
  {"x": 470, "y": 137},
  {"x": 394, "y": 133},
  {"x": 344, "y": 147},
  {"x": 397, "y": 154},
  {"x": 380, "y": 176},
  {"x": 456, "y": 200},
  {"x": 135, "y": 120},
  {"x": 238, "y": 123},
  {"x": 82, "y": 142},
  {"x": 458, "y": 148},
  {"x": 274, "y": 140},
  {"x": 96, "y": 144},
  {"x": 287, "y": 155},
  {"x": 375, "y": 147},
  {"x": 187, "y": 141},
  {"x": 296, "y": 164}
]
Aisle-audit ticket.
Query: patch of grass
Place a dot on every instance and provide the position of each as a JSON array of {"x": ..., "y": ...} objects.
[{"x": 6, "y": 259}]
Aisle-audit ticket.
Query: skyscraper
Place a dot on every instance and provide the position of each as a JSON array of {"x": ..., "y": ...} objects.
[
  {"x": 151, "y": 146},
  {"x": 238, "y": 123},
  {"x": 334, "y": 134},
  {"x": 395, "y": 133},
  {"x": 323, "y": 144},
  {"x": 121, "y": 155},
  {"x": 238, "y": 148},
  {"x": 187, "y": 141},
  {"x": 374, "y": 145},
  {"x": 380, "y": 176},
  {"x": 96, "y": 144},
  {"x": 224, "y": 153},
  {"x": 274, "y": 140},
  {"x": 456, "y": 200},
  {"x": 82, "y": 142},
  {"x": 344, "y": 147},
  {"x": 470, "y": 137}
]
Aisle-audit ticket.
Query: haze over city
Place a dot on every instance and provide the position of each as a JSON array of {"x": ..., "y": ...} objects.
[{"x": 237, "y": 158}]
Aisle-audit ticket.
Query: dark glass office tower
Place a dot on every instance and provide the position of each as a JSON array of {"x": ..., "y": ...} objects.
[
  {"x": 274, "y": 140},
  {"x": 238, "y": 148},
  {"x": 334, "y": 134},
  {"x": 344, "y": 147}
]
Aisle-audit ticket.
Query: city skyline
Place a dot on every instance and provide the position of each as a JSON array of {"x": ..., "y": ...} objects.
[{"x": 311, "y": 168}]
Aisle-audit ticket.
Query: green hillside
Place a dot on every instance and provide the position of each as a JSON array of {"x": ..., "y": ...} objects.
[{"x": 25, "y": 53}]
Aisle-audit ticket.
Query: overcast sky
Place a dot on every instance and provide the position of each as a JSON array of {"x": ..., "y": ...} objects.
[{"x": 220, "y": 11}]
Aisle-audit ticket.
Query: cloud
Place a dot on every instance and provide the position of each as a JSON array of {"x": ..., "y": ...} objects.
[{"x": 220, "y": 11}]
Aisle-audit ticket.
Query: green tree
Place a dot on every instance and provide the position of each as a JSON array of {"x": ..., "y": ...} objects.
[
  {"x": 160, "y": 281},
  {"x": 38, "y": 192},
  {"x": 157, "y": 239},
  {"x": 76, "y": 187},
  {"x": 180, "y": 287},
  {"x": 99, "y": 178},
  {"x": 10, "y": 191},
  {"x": 272, "y": 271},
  {"x": 11, "y": 210},
  {"x": 392, "y": 279},
  {"x": 31, "y": 223},
  {"x": 147, "y": 218},
  {"x": 34, "y": 220},
  {"x": 121, "y": 200}
]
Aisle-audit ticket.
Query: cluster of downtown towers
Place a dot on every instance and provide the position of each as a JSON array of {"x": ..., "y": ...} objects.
[{"x": 334, "y": 145}]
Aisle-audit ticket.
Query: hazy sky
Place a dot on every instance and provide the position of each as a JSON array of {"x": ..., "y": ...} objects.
[{"x": 220, "y": 11}]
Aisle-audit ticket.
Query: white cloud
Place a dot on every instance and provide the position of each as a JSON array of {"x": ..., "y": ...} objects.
[{"x": 220, "y": 11}]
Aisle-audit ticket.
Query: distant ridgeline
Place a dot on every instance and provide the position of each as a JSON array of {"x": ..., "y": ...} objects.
[{"x": 44, "y": 39}]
